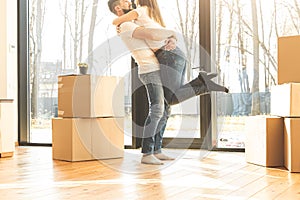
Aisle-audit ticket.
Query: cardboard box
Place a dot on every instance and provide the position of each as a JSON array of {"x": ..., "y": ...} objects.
[
  {"x": 264, "y": 140},
  {"x": 292, "y": 144},
  {"x": 90, "y": 96},
  {"x": 288, "y": 59},
  {"x": 71, "y": 139},
  {"x": 285, "y": 100},
  {"x": 79, "y": 139},
  {"x": 108, "y": 138},
  {"x": 7, "y": 143}
]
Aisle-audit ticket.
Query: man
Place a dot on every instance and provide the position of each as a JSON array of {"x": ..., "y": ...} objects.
[{"x": 163, "y": 80}]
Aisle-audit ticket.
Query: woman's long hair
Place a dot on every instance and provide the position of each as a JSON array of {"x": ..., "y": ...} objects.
[{"x": 153, "y": 10}]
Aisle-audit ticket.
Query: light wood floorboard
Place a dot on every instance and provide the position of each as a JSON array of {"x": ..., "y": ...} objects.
[{"x": 32, "y": 174}]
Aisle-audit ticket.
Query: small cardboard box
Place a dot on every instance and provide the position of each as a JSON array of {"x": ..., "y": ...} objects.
[
  {"x": 285, "y": 100},
  {"x": 288, "y": 59},
  {"x": 292, "y": 144},
  {"x": 90, "y": 96},
  {"x": 79, "y": 139},
  {"x": 264, "y": 140}
]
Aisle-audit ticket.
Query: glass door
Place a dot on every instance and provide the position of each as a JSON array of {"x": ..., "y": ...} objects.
[{"x": 245, "y": 43}]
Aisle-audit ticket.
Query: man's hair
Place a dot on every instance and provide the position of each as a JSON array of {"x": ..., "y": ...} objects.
[
  {"x": 133, "y": 4},
  {"x": 112, "y": 4}
]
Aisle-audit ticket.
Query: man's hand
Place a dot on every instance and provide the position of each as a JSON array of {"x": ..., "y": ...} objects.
[
  {"x": 170, "y": 44},
  {"x": 155, "y": 34}
]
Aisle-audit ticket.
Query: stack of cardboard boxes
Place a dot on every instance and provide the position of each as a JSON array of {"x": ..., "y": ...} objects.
[
  {"x": 90, "y": 118},
  {"x": 275, "y": 140}
]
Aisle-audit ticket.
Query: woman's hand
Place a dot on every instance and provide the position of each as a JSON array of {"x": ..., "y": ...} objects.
[
  {"x": 118, "y": 29},
  {"x": 170, "y": 44}
]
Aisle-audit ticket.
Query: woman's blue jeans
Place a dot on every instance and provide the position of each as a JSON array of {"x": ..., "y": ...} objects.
[
  {"x": 173, "y": 68},
  {"x": 164, "y": 88}
]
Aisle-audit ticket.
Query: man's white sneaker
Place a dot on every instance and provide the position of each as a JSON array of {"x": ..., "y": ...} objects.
[
  {"x": 161, "y": 156},
  {"x": 151, "y": 160}
]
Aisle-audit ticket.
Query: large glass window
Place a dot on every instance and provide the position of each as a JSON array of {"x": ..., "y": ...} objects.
[
  {"x": 246, "y": 35},
  {"x": 63, "y": 33}
]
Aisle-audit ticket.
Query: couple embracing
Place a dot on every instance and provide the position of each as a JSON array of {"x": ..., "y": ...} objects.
[{"x": 161, "y": 68}]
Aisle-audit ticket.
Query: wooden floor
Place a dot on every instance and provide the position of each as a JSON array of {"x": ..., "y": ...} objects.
[{"x": 32, "y": 174}]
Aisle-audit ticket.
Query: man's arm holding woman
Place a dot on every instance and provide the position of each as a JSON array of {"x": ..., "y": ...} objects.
[{"x": 157, "y": 35}]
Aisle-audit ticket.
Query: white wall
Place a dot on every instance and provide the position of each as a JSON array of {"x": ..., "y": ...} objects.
[{"x": 8, "y": 56}]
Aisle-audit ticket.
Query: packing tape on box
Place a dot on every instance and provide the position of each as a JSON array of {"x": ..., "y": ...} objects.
[
  {"x": 59, "y": 79},
  {"x": 60, "y": 112},
  {"x": 60, "y": 85}
]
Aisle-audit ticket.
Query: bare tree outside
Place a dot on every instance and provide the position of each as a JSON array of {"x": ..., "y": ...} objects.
[
  {"x": 91, "y": 32},
  {"x": 255, "y": 110},
  {"x": 74, "y": 19},
  {"x": 35, "y": 39},
  {"x": 218, "y": 36},
  {"x": 64, "y": 43},
  {"x": 188, "y": 16},
  {"x": 242, "y": 52}
]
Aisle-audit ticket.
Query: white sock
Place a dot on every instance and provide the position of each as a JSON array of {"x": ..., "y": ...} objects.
[
  {"x": 151, "y": 159},
  {"x": 162, "y": 156}
]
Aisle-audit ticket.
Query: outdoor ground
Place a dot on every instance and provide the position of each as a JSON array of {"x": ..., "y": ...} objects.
[{"x": 230, "y": 130}]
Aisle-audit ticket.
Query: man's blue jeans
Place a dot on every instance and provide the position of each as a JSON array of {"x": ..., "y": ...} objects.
[{"x": 159, "y": 112}]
